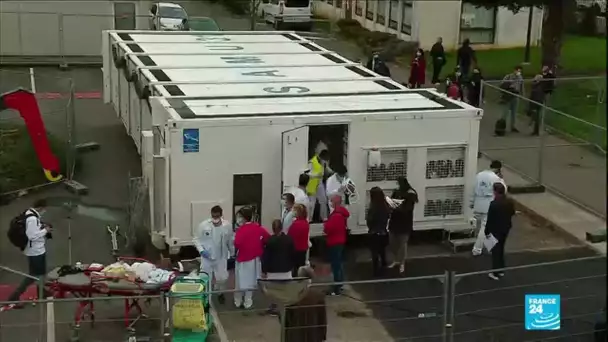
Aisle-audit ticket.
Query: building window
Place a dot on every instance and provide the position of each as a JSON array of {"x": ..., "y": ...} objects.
[
  {"x": 338, "y": 3},
  {"x": 331, "y": 2},
  {"x": 406, "y": 17},
  {"x": 381, "y": 12},
  {"x": 359, "y": 7},
  {"x": 369, "y": 11},
  {"x": 393, "y": 14},
  {"x": 478, "y": 24}
]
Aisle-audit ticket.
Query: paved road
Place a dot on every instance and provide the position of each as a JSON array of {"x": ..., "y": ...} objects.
[
  {"x": 105, "y": 172},
  {"x": 487, "y": 310}
]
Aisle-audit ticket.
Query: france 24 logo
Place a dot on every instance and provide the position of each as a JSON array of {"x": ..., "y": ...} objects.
[{"x": 542, "y": 312}]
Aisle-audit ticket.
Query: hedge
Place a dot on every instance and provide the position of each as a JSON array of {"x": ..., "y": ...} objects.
[{"x": 386, "y": 44}]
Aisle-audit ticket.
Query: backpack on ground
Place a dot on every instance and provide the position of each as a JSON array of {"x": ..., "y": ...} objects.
[
  {"x": 500, "y": 128},
  {"x": 17, "y": 230}
]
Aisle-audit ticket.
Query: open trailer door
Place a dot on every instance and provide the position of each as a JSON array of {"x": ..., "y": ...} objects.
[{"x": 294, "y": 156}]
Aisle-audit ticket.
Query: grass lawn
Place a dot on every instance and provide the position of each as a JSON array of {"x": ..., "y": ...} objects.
[{"x": 580, "y": 56}]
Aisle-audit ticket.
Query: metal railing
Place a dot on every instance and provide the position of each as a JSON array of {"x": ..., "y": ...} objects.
[
  {"x": 447, "y": 307},
  {"x": 571, "y": 140}
]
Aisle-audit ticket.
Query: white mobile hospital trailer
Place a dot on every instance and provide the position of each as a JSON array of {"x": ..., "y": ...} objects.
[{"x": 232, "y": 118}]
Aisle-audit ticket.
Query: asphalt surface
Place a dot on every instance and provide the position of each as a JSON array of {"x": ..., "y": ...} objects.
[
  {"x": 105, "y": 172},
  {"x": 488, "y": 310}
]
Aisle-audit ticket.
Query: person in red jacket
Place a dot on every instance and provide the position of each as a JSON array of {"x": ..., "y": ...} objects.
[
  {"x": 335, "y": 236},
  {"x": 249, "y": 243},
  {"x": 418, "y": 70},
  {"x": 300, "y": 234}
]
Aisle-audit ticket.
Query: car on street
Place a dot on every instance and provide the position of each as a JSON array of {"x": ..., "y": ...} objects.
[
  {"x": 166, "y": 16},
  {"x": 283, "y": 13},
  {"x": 202, "y": 24}
]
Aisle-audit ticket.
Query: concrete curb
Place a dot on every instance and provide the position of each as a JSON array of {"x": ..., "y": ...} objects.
[
  {"x": 547, "y": 223},
  {"x": 217, "y": 324},
  {"x": 8, "y": 197}
]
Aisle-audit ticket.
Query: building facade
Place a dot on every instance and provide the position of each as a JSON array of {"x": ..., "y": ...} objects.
[
  {"x": 65, "y": 28},
  {"x": 424, "y": 21}
]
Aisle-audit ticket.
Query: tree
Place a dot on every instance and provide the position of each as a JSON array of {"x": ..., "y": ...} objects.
[{"x": 556, "y": 15}]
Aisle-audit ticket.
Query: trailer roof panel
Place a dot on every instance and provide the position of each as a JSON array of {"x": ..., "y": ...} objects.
[
  {"x": 212, "y": 37},
  {"x": 214, "y": 61},
  {"x": 285, "y": 88},
  {"x": 214, "y": 48},
  {"x": 270, "y": 74},
  {"x": 310, "y": 105}
]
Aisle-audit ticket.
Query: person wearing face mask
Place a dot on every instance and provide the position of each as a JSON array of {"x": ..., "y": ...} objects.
[
  {"x": 335, "y": 185},
  {"x": 288, "y": 215},
  {"x": 417, "y": 70},
  {"x": 37, "y": 234},
  {"x": 454, "y": 83},
  {"x": 249, "y": 242},
  {"x": 483, "y": 194},
  {"x": 377, "y": 65},
  {"x": 512, "y": 85},
  {"x": 548, "y": 79},
  {"x": 213, "y": 240}
]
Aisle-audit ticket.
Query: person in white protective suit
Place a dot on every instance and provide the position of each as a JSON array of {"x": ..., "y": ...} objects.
[
  {"x": 335, "y": 184},
  {"x": 481, "y": 199},
  {"x": 213, "y": 240}
]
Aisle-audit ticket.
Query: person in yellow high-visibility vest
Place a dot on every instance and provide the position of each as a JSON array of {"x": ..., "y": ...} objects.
[{"x": 315, "y": 189}]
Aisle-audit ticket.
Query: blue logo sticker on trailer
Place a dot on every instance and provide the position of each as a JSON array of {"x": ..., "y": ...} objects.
[
  {"x": 191, "y": 141},
  {"x": 542, "y": 312}
]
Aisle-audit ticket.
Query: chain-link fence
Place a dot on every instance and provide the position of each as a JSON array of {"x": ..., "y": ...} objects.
[
  {"x": 555, "y": 133},
  {"x": 446, "y": 307},
  {"x": 36, "y": 129}
]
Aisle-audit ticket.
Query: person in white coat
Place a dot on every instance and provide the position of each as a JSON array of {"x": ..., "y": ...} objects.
[
  {"x": 335, "y": 185},
  {"x": 483, "y": 195},
  {"x": 213, "y": 240}
]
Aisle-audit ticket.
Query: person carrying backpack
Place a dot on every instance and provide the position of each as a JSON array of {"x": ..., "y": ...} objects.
[{"x": 29, "y": 234}]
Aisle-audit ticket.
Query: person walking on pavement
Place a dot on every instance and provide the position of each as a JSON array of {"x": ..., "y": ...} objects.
[
  {"x": 498, "y": 224},
  {"x": 377, "y": 65},
  {"x": 465, "y": 57},
  {"x": 34, "y": 234},
  {"x": 377, "y": 221},
  {"x": 335, "y": 237},
  {"x": 277, "y": 260},
  {"x": 401, "y": 222},
  {"x": 438, "y": 59},
  {"x": 315, "y": 189},
  {"x": 300, "y": 234},
  {"x": 537, "y": 94},
  {"x": 474, "y": 92},
  {"x": 512, "y": 86},
  {"x": 288, "y": 214},
  {"x": 213, "y": 240},
  {"x": 483, "y": 194},
  {"x": 417, "y": 70},
  {"x": 249, "y": 243}
]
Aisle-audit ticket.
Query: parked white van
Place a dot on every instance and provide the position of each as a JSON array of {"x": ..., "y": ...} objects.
[{"x": 281, "y": 13}]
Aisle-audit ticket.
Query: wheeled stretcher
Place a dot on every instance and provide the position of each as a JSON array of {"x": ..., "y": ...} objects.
[{"x": 87, "y": 284}]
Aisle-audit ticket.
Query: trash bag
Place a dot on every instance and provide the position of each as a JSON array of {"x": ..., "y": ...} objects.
[{"x": 189, "y": 314}]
